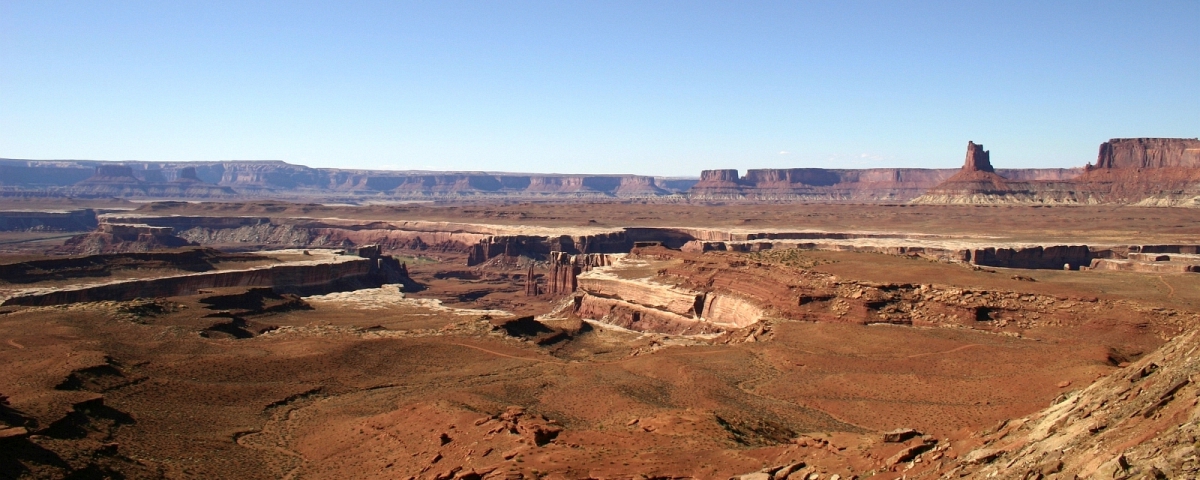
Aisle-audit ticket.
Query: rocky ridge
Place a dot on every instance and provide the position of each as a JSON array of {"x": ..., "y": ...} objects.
[{"x": 1135, "y": 171}]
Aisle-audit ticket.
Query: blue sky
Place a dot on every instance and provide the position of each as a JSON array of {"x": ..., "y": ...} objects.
[{"x": 661, "y": 88}]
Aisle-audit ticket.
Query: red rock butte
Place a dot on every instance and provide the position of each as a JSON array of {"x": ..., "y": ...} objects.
[{"x": 978, "y": 159}]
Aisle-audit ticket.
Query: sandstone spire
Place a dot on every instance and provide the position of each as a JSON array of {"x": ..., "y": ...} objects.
[{"x": 978, "y": 159}]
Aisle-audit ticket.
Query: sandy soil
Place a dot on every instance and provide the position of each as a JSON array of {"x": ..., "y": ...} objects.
[{"x": 380, "y": 383}]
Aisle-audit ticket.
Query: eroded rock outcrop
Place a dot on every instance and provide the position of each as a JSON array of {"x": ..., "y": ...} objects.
[
  {"x": 871, "y": 185},
  {"x": 1149, "y": 153},
  {"x": 1139, "y": 171},
  {"x": 121, "y": 181},
  {"x": 977, "y": 182},
  {"x": 978, "y": 159},
  {"x": 327, "y": 272},
  {"x": 1139, "y": 422},
  {"x": 120, "y": 238},
  {"x": 33, "y": 220}
]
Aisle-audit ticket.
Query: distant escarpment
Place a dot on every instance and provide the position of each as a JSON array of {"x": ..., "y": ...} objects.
[
  {"x": 1135, "y": 171},
  {"x": 119, "y": 181},
  {"x": 275, "y": 179},
  {"x": 874, "y": 185}
]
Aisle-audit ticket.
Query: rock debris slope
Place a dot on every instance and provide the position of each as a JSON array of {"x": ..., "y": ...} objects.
[{"x": 1141, "y": 422}]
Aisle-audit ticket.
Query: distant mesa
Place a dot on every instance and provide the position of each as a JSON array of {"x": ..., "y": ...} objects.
[
  {"x": 1149, "y": 153},
  {"x": 1133, "y": 171},
  {"x": 187, "y": 175},
  {"x": 1130, "y": 171},
  {"x": 123, "y": 181},
  {"x": 112, "y": 174}
]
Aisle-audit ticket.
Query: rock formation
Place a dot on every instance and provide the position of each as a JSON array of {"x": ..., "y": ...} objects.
[
  {"x": 1138, "y": 422},
  {"x": 123, "y": 181},
  {"x": 1149, "y": 153},
  {"x": 563, "y": 274},
  {"x": 978, "y": 159},
  {"x": 121, "y": 238},
  {"x": 328, "y": 273},
  {"x": 277, "y": 179},
  {"x": 977, "y": 182},
  {"x": 70, "y": 221},
  {"x": 531, "y": 286},
  {"x": 1138, "y": 171},
  {"x": 872, "y": 185}
]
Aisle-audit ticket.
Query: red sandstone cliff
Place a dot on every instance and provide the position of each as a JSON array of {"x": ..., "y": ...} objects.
[
  {"x": 976, "y": 182},
  {"x": 1138, "y": 171},
  {"x": 1149, "y": 153}
]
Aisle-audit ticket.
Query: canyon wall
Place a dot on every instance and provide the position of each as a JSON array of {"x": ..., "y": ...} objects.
[
  {"x": 842, "y": 185},
  {"x": 32, "y": 220},
  {"x": 1149, "y": 153},
  {"x": 1143, "y": 171},
  {"x": 279, "y": 179},
  {"x": 368, "y": 268},
  {"x": 1137, "y": 171}
]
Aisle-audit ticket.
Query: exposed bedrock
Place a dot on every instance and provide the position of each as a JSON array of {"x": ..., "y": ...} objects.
[
  {"x": 634, "y": 316},
  {"x": 117, "y": 238},
  {"x": 1135, "y": 265},
  {"x": 121, "y": 181},
  {"x": 1138, "y": 422},
  {"x": 739, "y": 292},
  {"x": 1149, "y": 153},
  {"x": 307, "y": 277},
  {"x": 1033, "y": 257},
  {"x": 71, "y": 221},
  {"x": 848, "y": 185},
  {"x": 678, "y": 301},
  {"x": 481, "y": 243},
  {"x": 273, "y": 178},
  {"x": 978, "y": 159},
  {"x": 33, "y": 271},
  {"x": 1069, "y": 257},
  {"x": 1140, "y": 171}
]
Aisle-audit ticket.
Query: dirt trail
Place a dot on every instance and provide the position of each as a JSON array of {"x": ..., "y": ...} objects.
[
  {"x": 952, "y": 350},
  {"x": 1171, "y": 293},
  {"x": 15, "y": 344}
]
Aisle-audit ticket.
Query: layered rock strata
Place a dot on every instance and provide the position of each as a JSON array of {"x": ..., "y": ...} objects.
[
  {"x": 120, "y": 181},
  {"x": 1139, "y": 422},
  {"x": 681, "y": 293},
  {"x": 644, "y": 304},
  {"x": 1137, "y": 171},
  {"x": 483, "y": 243},
  {"x": 563, "y": 275},
  {"x": 1149, "y": 153},
  {"x": 330, "y": 272},
  {"x": 275, "y": 179},
  {"x": 119, "y": 238},
  {"x": 33, "y": 220},
  {"x": 878, "y": 185}
]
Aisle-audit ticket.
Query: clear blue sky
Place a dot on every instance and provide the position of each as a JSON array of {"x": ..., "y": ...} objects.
[{"x": 662, "y": 88}]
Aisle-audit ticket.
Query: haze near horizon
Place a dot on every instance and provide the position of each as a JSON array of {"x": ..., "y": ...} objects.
[{"x": 617, "y": 87}]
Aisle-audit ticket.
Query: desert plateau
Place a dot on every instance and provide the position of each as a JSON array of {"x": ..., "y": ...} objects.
[
  {"x": 599, "y": 240},
  {"x": 794, "y": 324}
]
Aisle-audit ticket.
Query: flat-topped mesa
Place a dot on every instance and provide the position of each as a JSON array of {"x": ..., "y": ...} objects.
[
  {"x": 112, "y": 174},
  {"x": 1149, "y": 153},
  {"x": 724, "y": 178},
  {"x": 978, "y": 159},
  {"x": 187, "y": 175}
]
